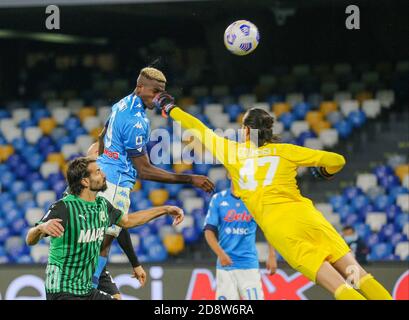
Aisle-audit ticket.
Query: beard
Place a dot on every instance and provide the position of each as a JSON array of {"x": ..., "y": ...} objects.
[{"x": 101, "y": 188}]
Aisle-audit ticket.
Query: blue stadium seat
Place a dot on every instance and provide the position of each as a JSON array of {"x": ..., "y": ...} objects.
[
  {"x": 54, "y": 178},
  {"x": 352, "y": 192},
  {"x": 359, "y": 202},
  {"x": 363, "y": 230},
  {"x": 380, "y": 251},
  {"x": 287, "y": 118},
  {"x": 344, "y": 128},
  {"x": 372, "y": 239},
  {"x": 389, "y": 181},
  {"x": 19, "y": 144},
  {"x": 33, "y": 176},
  {"x": 4, "y": 234},
  {"x": 397, "y": 237},
  {"x": 28, "y": 204},
  {"x": 26, "y": 123},
  {"x": 386, "y": 232},
  {"x": 158, "y": 223},
  {"x": 64, "y": 140},
  {"x": 15, "y": 247},
  {"x": 36, "y": 160},
  {"x": 24, "y": 259},
  {"x": 157, "y": 253},
  {"x": 304, "y": 136},
  {"x": 344, "y": 211},
  {"x": 201, "y": 168},
  {"x": 174, "y": 202},
  {"x": 337, "y": 201},
  {"x": 173, "y": 189},
  {"x": 400, "y": 220},
  {"x": 144, "y": 231},
  {"x": 190, "y": 235},
  {"x": 382, "y": 202},
  {"x": 77, "y": 132},
  {"x": 147, "y": 186},
  {"x": 351, "y": 219},
  {"x": 300, "y": 110},
  {"x": 334, "y": 117},
  {"x": 4, "y": 114},
  {"x": 150, "y": 240},
  {"x": 233, "y": 110},
  {"x": 23, "y": 170},
  {"x": 59, "y": 188},
  {"x": 39, "y": 185},
  {"x": 18, "y": 187},
  {"x": 13, "y": 215},
  {"x": 39, "y": 114},
  {"x": 14, "y": 161},
  {"x": 357, "y": 118},
  {"x": 383, "y": 170},
  {"x": 397, "y": 190},
  {"x": 44, "y": 141},
  {"x": 29, "y": 150},
  {"x": 392, "y": 211},
  {"x": 18, "y": 226},
  {"x": 72, "y": 123},
  {"x": 222, "y": 184}
]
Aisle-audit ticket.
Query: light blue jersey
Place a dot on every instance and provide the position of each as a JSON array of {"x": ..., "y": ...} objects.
[
  {"x": 236, "y": 228},
  {"x": 127, "y": 135}
]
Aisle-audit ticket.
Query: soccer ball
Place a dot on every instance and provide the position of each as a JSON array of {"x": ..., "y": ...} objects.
[{"x": 241, "y": 37}]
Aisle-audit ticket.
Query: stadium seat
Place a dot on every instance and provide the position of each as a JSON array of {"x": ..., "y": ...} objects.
[
  {"x": 166, "y": 230},
  {"x": 348, "y": 106},
  {"x": 380, "y": 251},
  {"x": 220, "y": 121},
  {"x": 45, "y": 196},
  {"x": 157, "y": 253},
  {"x": 247, "y": 100},
  {"x": 344, "y": 128},
  {"x": 363, "y": 95},
  {"x": 313, "y": 117},
  {"x": 32, "y": 134},
  {"x": 376, "y": 220},
  {"x": 39, "y": 253},
  {"x": 382, "y": 202},
  {"x": 293, "y": 98},
  {"x": 385, "y": 97},
  {"x": 84, "y": 142},
  {"x": 327, "y": 107},
  {"x": 182, "y": 167},
  {"x": 337, "y": 202},
  {"x": 192, "y": 203},
  {"x": 48, "y": 168},
  {"x": 69, "y": 150},
  {"x": 20, "y": 114},
  {"x": 190, "y": 235},
  {"x": 280, "y": 108},
  {"x": 402, "y": 250},
  {"x": 313, "y": 143},
  {"x": 357, "y": 118},
  {"x": 91, "y": 122},
  {"x": 217, "y": 174},
  {"x": 86, "y": 112},
  {"x": 60, "y": 114},
  {"x": 158, "y": 197},
  {"x": 5, "y": 152},
  {"x": 319, "y": 126},
  {"x": 47, "y": 125},
  {"x": 365, "y": 181},
  {"x": 14, "y": 246},
  {"x": 372, "y": 108},
  {"x": 174, "y": 243},
  {"x": 405, "y": 181},
  {"x": 299, "y": 126},
  {"x": 342, "y": 96},
  {"x": 401, "y": 171},
  {"x": 402, "y": 200},
  {"x": 262, "y": 251}
]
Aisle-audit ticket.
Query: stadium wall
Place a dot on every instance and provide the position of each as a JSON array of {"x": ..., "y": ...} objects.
[{"x": 167, "y": 282}]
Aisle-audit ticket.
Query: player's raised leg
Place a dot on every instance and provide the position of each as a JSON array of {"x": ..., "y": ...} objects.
[{"x": 363, "y": 281}]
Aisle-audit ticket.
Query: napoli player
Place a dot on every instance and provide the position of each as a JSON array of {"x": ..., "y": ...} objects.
[
  {"x": 230, "y": 232},
  {"x": 123, "y": 154}
]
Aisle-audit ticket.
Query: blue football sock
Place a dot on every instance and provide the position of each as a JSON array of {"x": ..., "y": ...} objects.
[{"x": 102, "y": 261}]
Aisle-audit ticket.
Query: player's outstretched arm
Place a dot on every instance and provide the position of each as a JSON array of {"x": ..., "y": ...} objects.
[
  {"x": 146, "y": 171},
  {"x": 218, "y": 146},
  {"x": 144, "y": 216}
]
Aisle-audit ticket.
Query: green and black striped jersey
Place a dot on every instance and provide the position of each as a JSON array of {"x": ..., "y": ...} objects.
[{"x": 73, "y": 256}]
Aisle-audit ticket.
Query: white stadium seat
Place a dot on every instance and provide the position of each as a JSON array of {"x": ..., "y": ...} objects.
[
  {"x": 33, "y": 215},
  {"x": 366, "y": 181},
  {"x": 186, "y": 193},
  {"x": 60, "y": 114},
  {"x": 7, "y": 124},
  {"x": 192, "y": 203},
  {"x": 103, "y": 113},
  {"x": 299, "y": 126},
  {"x": 20, "y": 114},
  {"x": 44, "y": 196},
  {"x": 402, "y": 200},
  {"x": 386, "y": 97},
  {"x": 278, "y": 127},
  {"x": 372, "y": 108},
  {"x": 48, "y": 168},
  {"x": 348, "y": 106},
  {"x": 375, "y": 220},
  {"x": 158, "y": 121},
  {"x": 405, "y": 181},
  {"x": 118, "y": 258},
  {"x": 262, "y": 105},
  {"x": 334, "y": 219},
  {"x": 69, "y": 149},
  {"x": 329, "y": 137},
  {"x": 324, "y": 208},
  {"x": 314, "y": 143},
  {"x": 92, "y": 123},
  {"x": 220, "y": 121},
  {"x": 39, "y": 253},
  {"x": 217, "y": 174},
  {"x": 213, "y": 109},
  {"x": 33, "y": 134},
  {"x": 402, "y": 249},
  {"x": 84, "y": 142},
  {"x": 405, "y": 229},
  {"x": 188, "y": 221},
  {"x": 165, "y": 230},
  {"x": 12, "y": 133}
]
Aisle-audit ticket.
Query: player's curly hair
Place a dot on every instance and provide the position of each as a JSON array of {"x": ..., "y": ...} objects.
[
  {"x": 153, "y": 74},
  {"x": 261, "y": 120},
  {"x": 78, "y": 170}
]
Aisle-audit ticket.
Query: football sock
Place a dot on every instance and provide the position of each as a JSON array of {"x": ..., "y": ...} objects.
[
  {"x": 345, "y": 292},
  {"x": 372, "y": 289}
]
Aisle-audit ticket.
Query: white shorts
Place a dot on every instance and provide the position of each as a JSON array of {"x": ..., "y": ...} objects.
[
  {"x": 119, "y": 198},
  {"x": 239, "y": 284}
]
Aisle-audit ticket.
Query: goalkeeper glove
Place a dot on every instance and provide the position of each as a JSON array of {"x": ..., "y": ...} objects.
[
  {"x": 164, "y": 102},
  {"x": 320, "y": 173}
]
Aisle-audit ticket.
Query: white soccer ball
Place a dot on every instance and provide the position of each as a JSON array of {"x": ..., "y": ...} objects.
[{"x": 241, "y": 37}]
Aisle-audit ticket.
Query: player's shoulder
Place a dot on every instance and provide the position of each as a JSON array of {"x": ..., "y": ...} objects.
[{"x": 60, "y": 204}]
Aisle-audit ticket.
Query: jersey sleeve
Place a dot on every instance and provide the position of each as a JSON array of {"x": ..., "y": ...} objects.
[
  {"x": 212, "y": 217},
  {"x": 223, "y": 149},
  {"x": 134, "y": 137},
  {"x": 57, "y": 210},
  {"x": 115, "y": 215},
  {"x": 333, "y": 162}
]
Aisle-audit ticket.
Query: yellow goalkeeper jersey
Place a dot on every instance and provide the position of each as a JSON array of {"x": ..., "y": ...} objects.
[{"x": 263, "y": 175}]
